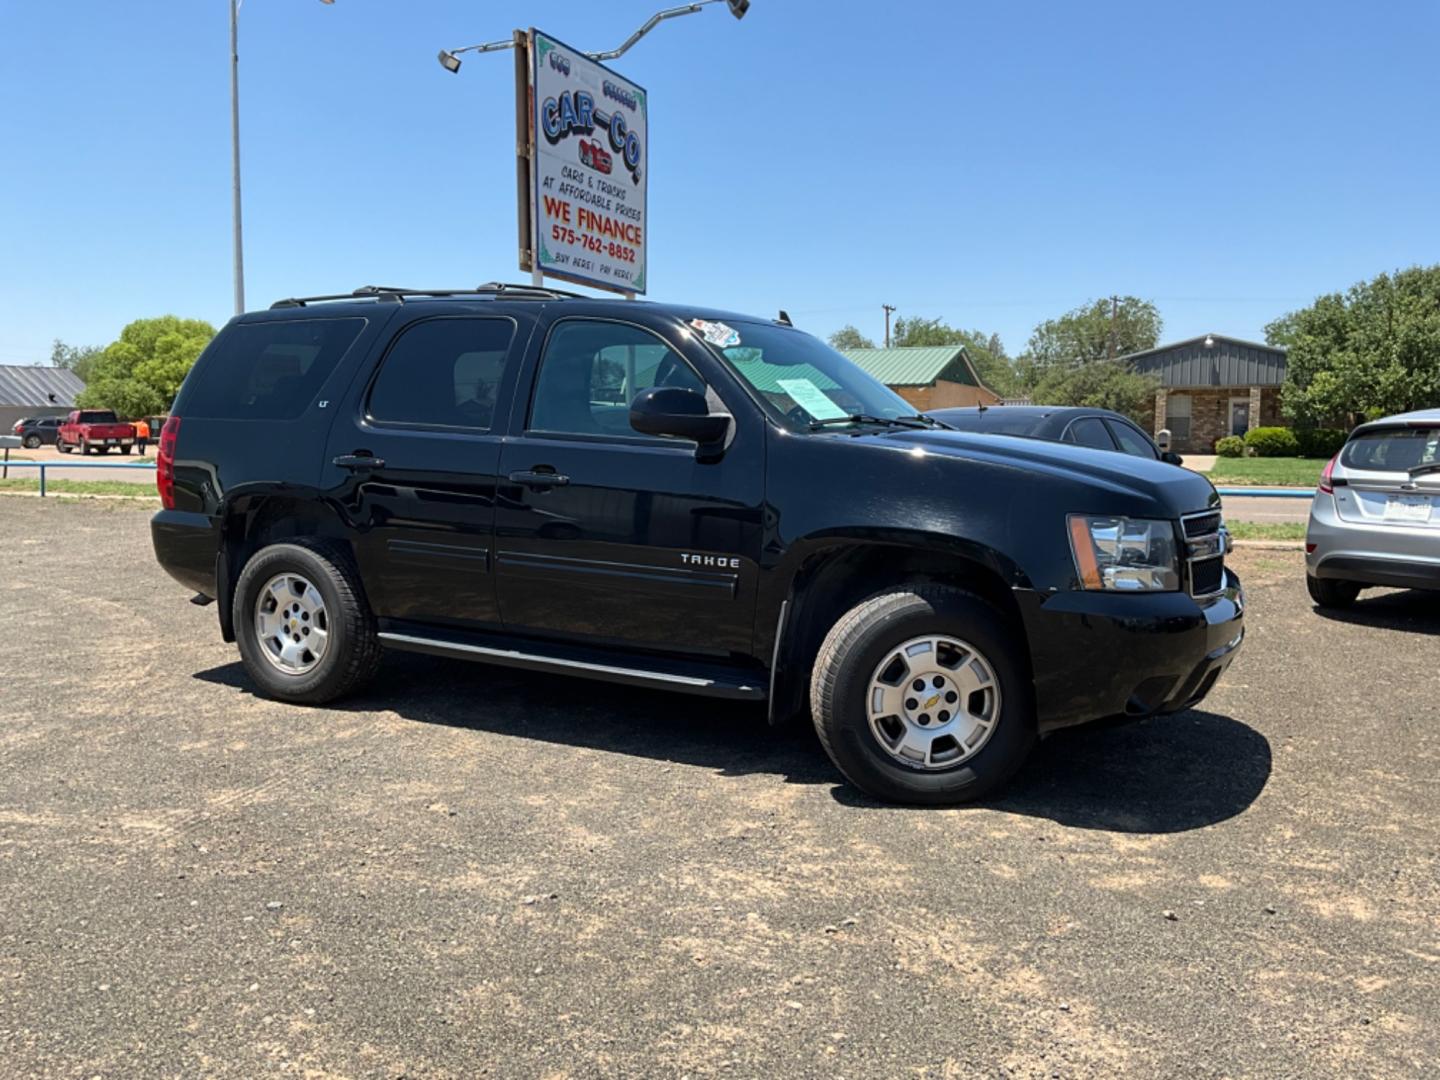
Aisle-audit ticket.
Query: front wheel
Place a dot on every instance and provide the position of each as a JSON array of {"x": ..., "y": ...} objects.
[
  {"x": 1329, "y": 593},
  {"x": 305, "y": 632},
  {"x": 921, "y": 695}
]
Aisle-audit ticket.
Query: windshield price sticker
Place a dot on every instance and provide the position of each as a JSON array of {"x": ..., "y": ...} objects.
[
  {"x": 810, "y": 398},
  {"x": 719, "y": 334}
]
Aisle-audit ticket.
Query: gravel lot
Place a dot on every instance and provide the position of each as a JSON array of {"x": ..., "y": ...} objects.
[{"x": 470, "y": 871}]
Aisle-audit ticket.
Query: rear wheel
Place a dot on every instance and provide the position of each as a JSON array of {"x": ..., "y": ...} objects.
[
  {"x": 125, "y": 450},
  {"x": 305, "y": 632},
  {"x": 1328, "y": 592},
  {"x": 921, "y": 695},
  {"x": 31, "y": 442}
]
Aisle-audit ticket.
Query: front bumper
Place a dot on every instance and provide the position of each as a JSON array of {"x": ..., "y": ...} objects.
[{"x": 1097, "y": 654}]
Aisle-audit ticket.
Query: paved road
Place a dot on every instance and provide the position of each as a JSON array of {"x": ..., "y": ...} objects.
[
  {"x": 50, "y": 454},
  {"x": 468, "y": 871},
  {"x": 1247, "y": 508}
]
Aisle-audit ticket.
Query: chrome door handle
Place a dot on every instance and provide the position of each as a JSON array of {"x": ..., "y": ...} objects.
[
  {"x": 538, "y": 478},
  {"x": 359, "y": 461}
]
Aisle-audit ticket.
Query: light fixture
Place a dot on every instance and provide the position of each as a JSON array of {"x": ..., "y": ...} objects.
[
  {"x": 449, "y": 61},
  {"x": 737, "y": 7},
  {"x": 1209, "y": 341}
]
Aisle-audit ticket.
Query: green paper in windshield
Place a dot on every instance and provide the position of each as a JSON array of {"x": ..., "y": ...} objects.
[{"x": 810, "y": 398}]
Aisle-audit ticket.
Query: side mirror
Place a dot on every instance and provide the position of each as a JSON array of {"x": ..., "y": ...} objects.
[
  {"x": 1171, "y": 459},
  {"x": 679, "y": 413}
]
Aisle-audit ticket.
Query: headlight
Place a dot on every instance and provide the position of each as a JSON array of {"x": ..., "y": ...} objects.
[{"x": 1125, "y": 554}]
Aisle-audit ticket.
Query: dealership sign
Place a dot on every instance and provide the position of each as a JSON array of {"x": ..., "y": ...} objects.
[{"x": 588, "y": 169}]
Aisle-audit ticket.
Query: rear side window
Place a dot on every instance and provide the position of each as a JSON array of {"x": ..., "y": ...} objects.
[
  {"x": 443, "y": 373},
  {"x": 1089, "y": 432},
  {"x": 1393, "y": 449},
  {"x": 268, "y": 370},
  {"x": 1131, "y": 441}
]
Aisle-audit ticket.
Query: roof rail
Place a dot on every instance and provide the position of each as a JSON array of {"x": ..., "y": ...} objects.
[{"x": 398, "y": 295}]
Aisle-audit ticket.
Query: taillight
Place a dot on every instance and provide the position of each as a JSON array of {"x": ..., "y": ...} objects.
[
  {"x": 1325, "y": 483},
  {"x": 165, "y": 462}
]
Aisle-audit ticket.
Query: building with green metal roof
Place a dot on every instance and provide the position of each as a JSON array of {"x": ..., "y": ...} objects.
[{"x": 929, "y": 377}]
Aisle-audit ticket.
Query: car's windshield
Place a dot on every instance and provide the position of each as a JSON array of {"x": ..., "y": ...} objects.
[{"x": 801, "y": 380}]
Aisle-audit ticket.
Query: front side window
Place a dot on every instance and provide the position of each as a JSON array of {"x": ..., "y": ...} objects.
[
  {"x": 1131, "y": 441},
  {"x": 443, "y": 373},
  {"x": 1089, "y": 432},
  {"x": 592, "y": 371}
]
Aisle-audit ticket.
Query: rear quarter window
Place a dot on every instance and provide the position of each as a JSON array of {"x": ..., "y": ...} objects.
[
  {"x": 266, "y": 370},
  {"x": 1392, "y": 449}
]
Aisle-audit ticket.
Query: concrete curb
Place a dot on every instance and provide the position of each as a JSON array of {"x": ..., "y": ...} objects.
[{"x": 1270, "y": 545}]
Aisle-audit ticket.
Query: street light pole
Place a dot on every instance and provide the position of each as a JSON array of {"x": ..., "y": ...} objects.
[{"x": 235, "y": 154}]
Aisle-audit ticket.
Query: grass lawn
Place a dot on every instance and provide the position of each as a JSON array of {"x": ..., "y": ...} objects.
[
  {"x": 80, "y": 487},
  {"x": 1274, "y": 530},
  {"x": 1267, "y": 472}
]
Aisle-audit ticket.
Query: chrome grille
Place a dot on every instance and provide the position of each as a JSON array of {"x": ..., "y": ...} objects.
[{"x": 1204, "y": 552}]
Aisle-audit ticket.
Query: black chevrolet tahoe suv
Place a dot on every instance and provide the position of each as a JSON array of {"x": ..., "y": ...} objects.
[{"x": 683, "y": 499}]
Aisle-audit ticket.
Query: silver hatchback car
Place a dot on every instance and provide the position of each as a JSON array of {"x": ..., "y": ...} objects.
[{"x": 1375, "y": 519}]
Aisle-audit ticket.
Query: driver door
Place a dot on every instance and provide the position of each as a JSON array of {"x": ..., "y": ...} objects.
[{"x": 607, "y": 536}]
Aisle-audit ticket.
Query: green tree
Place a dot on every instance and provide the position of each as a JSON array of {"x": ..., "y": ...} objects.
[
  {"x": 140, "y": 374},
  {"x": 1083, "y": 336},
  {"x": 986, "y": 352},
  {"x": 847, "y": 337},
  {"x": 81, "y": 359},
  {"x": 1100, "y": 384},
  {"x": 1371, "y": 351}
]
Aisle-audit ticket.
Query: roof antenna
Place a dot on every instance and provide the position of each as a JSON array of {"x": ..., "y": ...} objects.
[{"x": 784, "y": 319}]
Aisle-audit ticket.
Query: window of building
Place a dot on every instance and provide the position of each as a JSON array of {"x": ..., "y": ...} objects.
[{"x": 1177, "y": 416}]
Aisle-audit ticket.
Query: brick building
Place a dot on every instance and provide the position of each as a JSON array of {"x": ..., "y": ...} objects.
[
  {"x": 1213, "y": 386},
  {"x": 927, "y": 377}
]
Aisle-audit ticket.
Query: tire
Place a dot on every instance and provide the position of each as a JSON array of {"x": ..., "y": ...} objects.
[
  {"x": 1330, "y": 593},
  {"x": 849, "y": 659},
  {"x": 31, "y": 442},
  {"x": 125, "y": 450},
  {"x": 352, "y": 650},
  {"x": 62, "y": 446}
]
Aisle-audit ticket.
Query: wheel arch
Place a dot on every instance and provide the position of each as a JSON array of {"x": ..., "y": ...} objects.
[
  {"x": 254, "y": 518},
  {"x": 838, "y": 573}
]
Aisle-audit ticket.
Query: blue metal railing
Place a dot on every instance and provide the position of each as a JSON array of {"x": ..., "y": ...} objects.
[{"x": 46, "y": 466}]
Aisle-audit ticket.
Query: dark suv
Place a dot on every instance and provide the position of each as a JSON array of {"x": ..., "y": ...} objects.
[{"x": 682, "y": 499}]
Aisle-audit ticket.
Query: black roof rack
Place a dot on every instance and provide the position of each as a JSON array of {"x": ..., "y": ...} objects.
[{"x": 398, "y": 295}]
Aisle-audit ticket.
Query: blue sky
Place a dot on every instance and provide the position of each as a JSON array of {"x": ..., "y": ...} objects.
[{"x": 991, "y": 164}]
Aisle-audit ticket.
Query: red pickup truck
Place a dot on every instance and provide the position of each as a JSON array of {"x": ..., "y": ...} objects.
[{"x": 94, "y": 429}]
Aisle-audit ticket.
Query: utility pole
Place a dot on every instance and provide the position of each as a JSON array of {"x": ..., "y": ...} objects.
[
  {"x": 888, "y": 309},
  {"x": 235, "y": 153},
  {"x": 1114, "y": 311}
]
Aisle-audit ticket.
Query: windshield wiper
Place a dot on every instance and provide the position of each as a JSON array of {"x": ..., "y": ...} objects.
[
  {"x": 1419, "y": 470},
  {"x": 866, "y": 418}
]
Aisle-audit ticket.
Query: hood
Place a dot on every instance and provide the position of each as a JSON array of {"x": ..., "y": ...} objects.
[{"x": 1177, "y": 488}]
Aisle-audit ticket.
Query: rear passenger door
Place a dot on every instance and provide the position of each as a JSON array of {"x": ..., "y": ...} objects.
[{"x": 414, "y": 458}]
